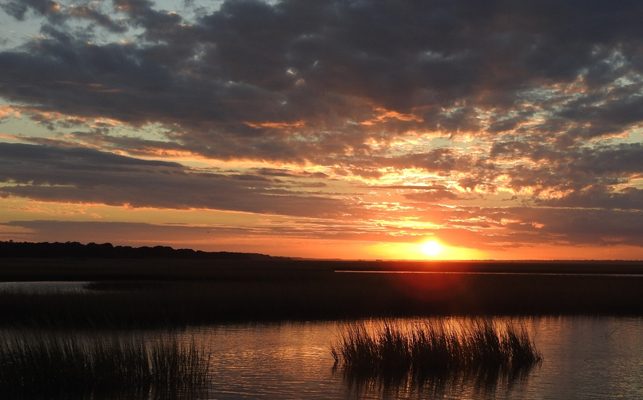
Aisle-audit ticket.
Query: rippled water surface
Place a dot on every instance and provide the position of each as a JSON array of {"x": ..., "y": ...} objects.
[{"x": 584, "y": 358}]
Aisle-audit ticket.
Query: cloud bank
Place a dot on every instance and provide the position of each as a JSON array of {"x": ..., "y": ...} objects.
[{"x": 530, "y": 112}]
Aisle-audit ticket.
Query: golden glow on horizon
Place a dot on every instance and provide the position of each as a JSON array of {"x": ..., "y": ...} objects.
[
  {"x": 431, "y": 249},
  {"x": 216, "y": 230},
  {"x": 210, "y": 230}
]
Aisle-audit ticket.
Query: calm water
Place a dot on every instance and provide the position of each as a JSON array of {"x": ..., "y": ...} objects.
[
  {"x": 43, "y": 286},
  {"x": 584, "y": 358}
]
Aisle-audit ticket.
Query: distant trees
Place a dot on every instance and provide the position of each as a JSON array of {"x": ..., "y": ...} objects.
[{"x": 107, "y": 250}]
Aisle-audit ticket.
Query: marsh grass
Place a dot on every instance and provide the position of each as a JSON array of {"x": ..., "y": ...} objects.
[
  {"x": 53, "y": 365},
  {"x": 308, "y": 293},
  {"x": 477, "y": 349}
]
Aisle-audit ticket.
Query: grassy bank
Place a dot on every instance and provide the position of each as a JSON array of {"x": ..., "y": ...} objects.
[
  {"x": 433, "y": 357},
  {"x": 335, "y": 296},
  {"x": 56, "y": 365},
  {"x": 160, "y": 269},
  {"x": 160, "y": 293}
]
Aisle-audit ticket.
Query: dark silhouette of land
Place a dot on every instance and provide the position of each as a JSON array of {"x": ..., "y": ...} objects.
[
  {"x": 107, "y": 250},
  {"x": 161, "y": 287}
]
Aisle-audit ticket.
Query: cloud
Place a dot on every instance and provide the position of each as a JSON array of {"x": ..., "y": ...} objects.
[
  {"x": 511, "y": 227},
  {"x": 537, "y": 102},
  {"x": 575, "y": 170},
  {"x": 237, "y": 82},
  {"x": 580, "y": 226},
  {"x": 58, "y": 13},
  {"x": 102, "y": 231},
  {"x": 91, "y": 176},
  {"x": 422, "y": 193},
  {"x": 629, "y": 198}
]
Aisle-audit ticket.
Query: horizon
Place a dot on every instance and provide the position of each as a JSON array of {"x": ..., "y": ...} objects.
[
  {"x": 420, "y": 130},
  {"x": 410, "y": 260}
]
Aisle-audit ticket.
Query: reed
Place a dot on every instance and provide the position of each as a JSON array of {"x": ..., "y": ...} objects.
[
  {"x": 51, "y": 365},
  {"x": 432, "y": 348}
]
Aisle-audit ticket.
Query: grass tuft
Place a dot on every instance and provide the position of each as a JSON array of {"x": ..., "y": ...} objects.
[
  {"x": 54, "y": 365},
  {"x": 432, "y": 349}
]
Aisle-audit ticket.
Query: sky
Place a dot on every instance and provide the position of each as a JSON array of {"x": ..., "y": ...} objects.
[{"x": 459, "y": 129}]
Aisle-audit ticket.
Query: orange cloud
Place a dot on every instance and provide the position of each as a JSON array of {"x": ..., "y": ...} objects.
[
  {"x": 384, "y": 115},
  {"x": 276, "y": 124},
  {"x": 9, "y": 111}
]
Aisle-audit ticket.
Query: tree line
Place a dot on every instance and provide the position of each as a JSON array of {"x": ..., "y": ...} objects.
[{"x": 108, "y": 250}]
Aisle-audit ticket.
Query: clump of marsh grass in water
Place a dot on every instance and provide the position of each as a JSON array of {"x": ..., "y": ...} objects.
[
  {"x": 477, "y": 349},
  {"x": 57, "y": 366}
]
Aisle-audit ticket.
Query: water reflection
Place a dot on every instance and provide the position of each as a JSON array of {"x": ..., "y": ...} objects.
[
  {"x": 120, "y": 393},
  {"x": 583, "y": 358},
  {"x": 449, "y": 385},
  {"x": 480, "y": 383}
]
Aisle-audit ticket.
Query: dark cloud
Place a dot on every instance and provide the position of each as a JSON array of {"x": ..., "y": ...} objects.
[
  {"x": 103, "y": 231},
  {"x": 579, "y": 226},
  {"x": 18, "y": 9},
  {"x": 57, "y": 13},
  {"x": 422, "y": 193},
  {"x": 84, "y": 175},
  {"x": 330, "y": 64},
  {"x": 117, "y": 232},
  {"x": 629, "y": 198},
  {"x": 577, "y": 169}
]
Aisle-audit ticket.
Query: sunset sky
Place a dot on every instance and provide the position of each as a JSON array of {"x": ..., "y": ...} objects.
[{"x": 334, "y": 129}]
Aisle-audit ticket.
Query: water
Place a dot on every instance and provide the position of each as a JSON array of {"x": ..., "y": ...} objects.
[
  {"x": 43, "y": 287},
  {"x": 504, "y": 273},
  {"x": 584, "y": 358}
]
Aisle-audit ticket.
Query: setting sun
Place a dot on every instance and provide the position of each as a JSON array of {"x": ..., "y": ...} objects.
[{"x": 432, "y": 248}]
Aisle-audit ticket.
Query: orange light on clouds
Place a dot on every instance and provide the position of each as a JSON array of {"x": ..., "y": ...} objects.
[
  {"x": 276, "y": 124},
  {"x": 383, "y": 115}
]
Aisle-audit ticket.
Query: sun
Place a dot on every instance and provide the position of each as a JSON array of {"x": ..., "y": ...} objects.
[{"x": 432, "y": 248}]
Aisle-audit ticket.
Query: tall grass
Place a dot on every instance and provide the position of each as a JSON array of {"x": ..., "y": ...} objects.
[
  {"x": 53, "y": 365},
  {"x": 432, "y": 348}
]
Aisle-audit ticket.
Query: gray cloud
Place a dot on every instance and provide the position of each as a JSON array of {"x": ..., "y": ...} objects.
[
  {"x": 57, "y": 13},
  {"x": 578, "y": 226},
  {"x": 629, "y": 198},
  {"x": 117, "y": 232},
  {"x": 582, "y": 170},
  {"x": 84, "y": 175},
  {"x": 329, "y": 63}
]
